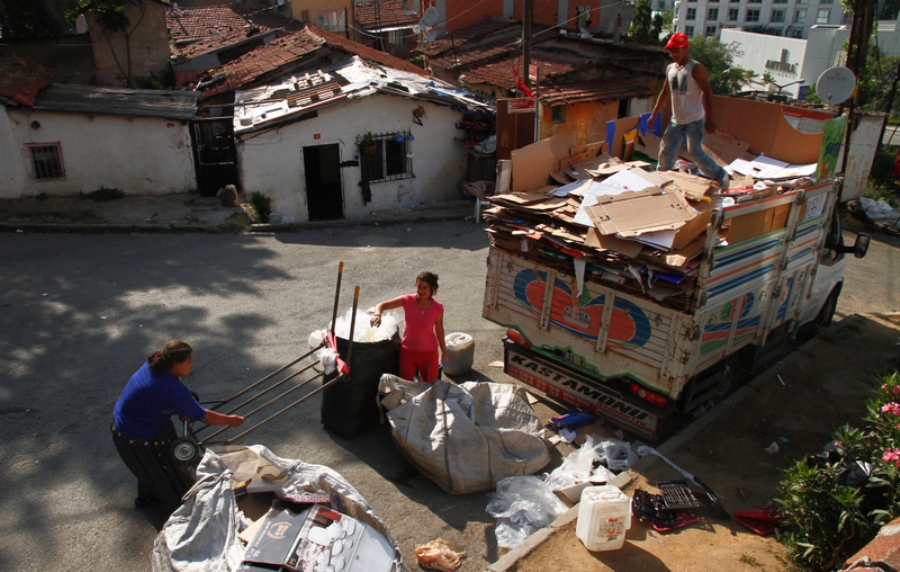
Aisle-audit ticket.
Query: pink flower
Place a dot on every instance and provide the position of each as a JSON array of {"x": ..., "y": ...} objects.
[
  {"x": 896, "y": 390},
  {"x": 891, "y": 455},
  {"x": 892, "y": 407}
]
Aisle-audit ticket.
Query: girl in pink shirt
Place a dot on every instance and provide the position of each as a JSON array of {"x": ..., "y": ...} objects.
[{"x": 423, "y": 329}]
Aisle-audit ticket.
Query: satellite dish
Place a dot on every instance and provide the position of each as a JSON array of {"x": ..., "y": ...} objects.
[
  {"x": 430, "y": 35},
  {"x": 422, "y": 26},
  {"x": 836, "y": 85},
  {"x": 430, "y": 17}
]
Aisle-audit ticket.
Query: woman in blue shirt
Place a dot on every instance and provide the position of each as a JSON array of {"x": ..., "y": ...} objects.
[{"x": 142, "y": 425}]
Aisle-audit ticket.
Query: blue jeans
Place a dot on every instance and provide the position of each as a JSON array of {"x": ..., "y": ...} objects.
[{"x": 690, "y": 134}]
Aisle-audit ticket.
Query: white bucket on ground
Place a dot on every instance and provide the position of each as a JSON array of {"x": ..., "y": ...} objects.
[
  {"x": 460, "y": 353},
  {"x": 604, "y": 515}
]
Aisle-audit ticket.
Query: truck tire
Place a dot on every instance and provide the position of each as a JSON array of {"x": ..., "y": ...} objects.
[{"x": 826, "y": 313}]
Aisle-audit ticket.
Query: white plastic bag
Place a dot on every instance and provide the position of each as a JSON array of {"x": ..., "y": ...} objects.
[
  {"x": 363, "y": 331},
  {"x": 522, "y": 506}
]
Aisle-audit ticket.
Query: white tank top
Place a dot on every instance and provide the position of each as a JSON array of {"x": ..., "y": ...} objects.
[{"x": 687, "y": 98}]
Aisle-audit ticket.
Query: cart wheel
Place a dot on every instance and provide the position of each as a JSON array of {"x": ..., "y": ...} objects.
[{"x": 185, "y": 449}]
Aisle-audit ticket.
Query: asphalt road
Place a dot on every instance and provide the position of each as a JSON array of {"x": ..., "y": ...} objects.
[{"x": 79, "y": 313}]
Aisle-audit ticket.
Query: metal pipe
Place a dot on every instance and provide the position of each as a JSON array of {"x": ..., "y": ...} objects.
[
  {"x": 271, "y": 387},
  {"x": 337, "y": 295}
]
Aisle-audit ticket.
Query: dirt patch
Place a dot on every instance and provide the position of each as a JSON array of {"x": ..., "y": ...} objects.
[{"x": 796, "y": 404}]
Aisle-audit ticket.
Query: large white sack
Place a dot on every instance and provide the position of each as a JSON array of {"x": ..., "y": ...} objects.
[
  {"x": 202, "y": 535},
  {"x": 467, "y": 437}
]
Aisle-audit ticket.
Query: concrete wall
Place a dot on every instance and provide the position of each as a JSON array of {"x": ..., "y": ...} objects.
[
  {"x": 753, "y": 51},
  {"x": 272, "y": 161},
  {"x": 140, "y": 156},
  {"x": 787, "y": 27},
  {"x": 146, "y": 54},
  {"x": 587, "y": 121}
]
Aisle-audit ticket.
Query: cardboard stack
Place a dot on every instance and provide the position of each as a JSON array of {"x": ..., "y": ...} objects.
[{"x": 586, "y": 213}]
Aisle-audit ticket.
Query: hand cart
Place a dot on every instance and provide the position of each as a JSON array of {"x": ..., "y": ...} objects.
[{"x": 187, "y": 449}]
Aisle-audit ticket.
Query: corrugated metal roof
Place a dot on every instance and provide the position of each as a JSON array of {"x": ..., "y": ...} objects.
[
  {"x": 486, "y": 27},
  {"x": 179, "y": 105}
]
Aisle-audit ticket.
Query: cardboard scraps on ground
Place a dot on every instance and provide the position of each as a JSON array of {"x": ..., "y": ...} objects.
[
  {"x": 521, "y": 198},
  {"x": 560, "y": 177},
  {"x": 628, "y": 215},
  {"x": 532, "y": 164}
]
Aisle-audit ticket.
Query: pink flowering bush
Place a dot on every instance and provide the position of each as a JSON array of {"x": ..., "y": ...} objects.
[{"x": 836, "y": 502}]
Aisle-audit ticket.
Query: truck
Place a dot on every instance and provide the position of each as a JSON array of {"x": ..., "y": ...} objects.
[{"x": 763, "y": 270}]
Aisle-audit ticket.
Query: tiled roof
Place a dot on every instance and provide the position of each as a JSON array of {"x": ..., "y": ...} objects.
[
  {"x": 384, "y": 13},
  {"x": 20, "y": 80},
  {"x": 197, "y": 31},
  {"x": 367, "y": 53},
  {"x": 500, "y": 74},
  {"x": 278, "y": 55},
  {"x": 464, "y": 35},
  {"x": 264, "y": 60},
  {"x": 597, "y": 90},
  {"x": 455, "y": 59}
]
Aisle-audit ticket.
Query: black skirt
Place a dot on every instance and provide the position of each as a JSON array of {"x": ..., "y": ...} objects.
[{"x": 160, "y": 476}]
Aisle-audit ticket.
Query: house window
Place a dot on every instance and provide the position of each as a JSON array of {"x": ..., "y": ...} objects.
[
  {"x": 733, "y": 14},
  {"x": 823, "y": 16},
  {"x": 752, "y": 15},
  {"x": 333, "y": 21},
  {"x": 689, "y": 31},
  {"x": 754, "y": 1},
  {"x": 386, "y": 157},
  {"x": 845, "y": 19},
  {"x": 712, "y": 14},
  {"x": 795, "y": 32},
  {"x": 397, "y": 38},
  {"x": 558, "y": 114},
  {"x": 47, "y": 162},
  {"x": 710, "y": 30},
  {"x": 777, "y": 16},
  {"x": 691, "y": 13},
  {"x": 800, "y": 16}
]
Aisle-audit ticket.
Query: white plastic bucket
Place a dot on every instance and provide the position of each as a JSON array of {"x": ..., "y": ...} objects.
[
  {"x": 604, "y": 514},
  {"x": 460, "y": 353}
]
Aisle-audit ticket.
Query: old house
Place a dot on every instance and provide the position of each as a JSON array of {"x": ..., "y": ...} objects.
[
  {"x": 341, "y": 129},
  {"x": 60, "y": 139}
]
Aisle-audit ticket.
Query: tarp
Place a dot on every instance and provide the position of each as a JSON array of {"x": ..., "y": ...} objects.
[
  {"x": 202, "y": 534},
  {"x": 466, "y": 437}
]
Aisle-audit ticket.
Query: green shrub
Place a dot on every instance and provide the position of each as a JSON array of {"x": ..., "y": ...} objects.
[
  {"x": 828, "y": 516},
  {"x": 262, "y": 204}
]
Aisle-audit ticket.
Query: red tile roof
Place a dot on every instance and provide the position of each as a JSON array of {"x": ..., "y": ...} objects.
[
  {"x": 597, "y": 90},
  {"x": 278, "y": 55},
  {"x": 367, "y": 53},
  {"x": 20, "y": 80},
  {"x": 384, "y": 13},
  {"x": 499, "y": 73},
  {"x": 195, "y": 31},
  {"x": 462, "y": 36},
  {"x": 252, "y": 66}
]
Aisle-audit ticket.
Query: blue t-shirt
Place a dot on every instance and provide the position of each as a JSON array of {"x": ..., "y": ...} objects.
[{"x": 149, "y": 401}]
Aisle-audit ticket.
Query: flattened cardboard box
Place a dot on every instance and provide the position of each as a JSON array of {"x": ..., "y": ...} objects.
[{"x": 635, "y": 213}]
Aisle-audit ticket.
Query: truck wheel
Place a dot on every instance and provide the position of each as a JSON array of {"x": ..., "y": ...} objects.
[
  {"x": 826, "y": 314},
  {"x": 732, "y": 377}
]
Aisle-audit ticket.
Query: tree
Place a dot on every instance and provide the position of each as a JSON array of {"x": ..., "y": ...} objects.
[
  {"x": 34, "y": 18},
  {"x": 642, "y": 24},
  {"x": 724, "y": 78}
]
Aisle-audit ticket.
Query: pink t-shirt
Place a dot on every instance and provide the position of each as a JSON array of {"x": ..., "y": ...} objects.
[{"x": 418, "y": 324}]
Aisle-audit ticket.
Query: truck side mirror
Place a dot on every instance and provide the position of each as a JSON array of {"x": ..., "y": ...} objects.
[{"x": 860, "y": 247}]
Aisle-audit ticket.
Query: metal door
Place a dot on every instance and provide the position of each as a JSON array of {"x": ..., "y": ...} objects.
[
  {"x": 215, "y": 155},
  {"x": 324, "y": 196}
]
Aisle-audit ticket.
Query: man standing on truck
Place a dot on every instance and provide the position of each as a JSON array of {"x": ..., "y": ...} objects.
[{"x": 687, "y": 86}]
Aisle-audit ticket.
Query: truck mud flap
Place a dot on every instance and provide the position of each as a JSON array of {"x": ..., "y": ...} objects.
[{"x": 587, "y": 394}]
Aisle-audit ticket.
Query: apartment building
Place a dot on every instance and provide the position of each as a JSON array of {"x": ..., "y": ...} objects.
[{"x": 789, "y": 18}]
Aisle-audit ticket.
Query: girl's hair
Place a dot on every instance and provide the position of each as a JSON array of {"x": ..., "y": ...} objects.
[
  {"x": 174, "y": 352},
  {"x": 429, "y": 278}
]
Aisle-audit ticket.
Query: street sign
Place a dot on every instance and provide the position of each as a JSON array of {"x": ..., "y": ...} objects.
[{"x": 520, "y": 105}]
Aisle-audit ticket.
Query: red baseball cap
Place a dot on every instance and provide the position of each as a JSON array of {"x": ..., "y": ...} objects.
[{"x": 678, "y": 40}]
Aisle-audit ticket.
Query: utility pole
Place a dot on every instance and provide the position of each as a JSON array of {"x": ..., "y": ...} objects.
[{"x": 526, "y": 42}]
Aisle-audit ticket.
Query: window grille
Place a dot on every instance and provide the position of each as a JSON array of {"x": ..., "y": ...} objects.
[
  {"x": 47, "y": 162},
  {"x": 386, "y": 157}
]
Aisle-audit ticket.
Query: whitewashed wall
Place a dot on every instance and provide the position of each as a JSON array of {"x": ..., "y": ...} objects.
[
  {"x": 271, "y": 161},
  {"x": 140, "y": 156}
]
